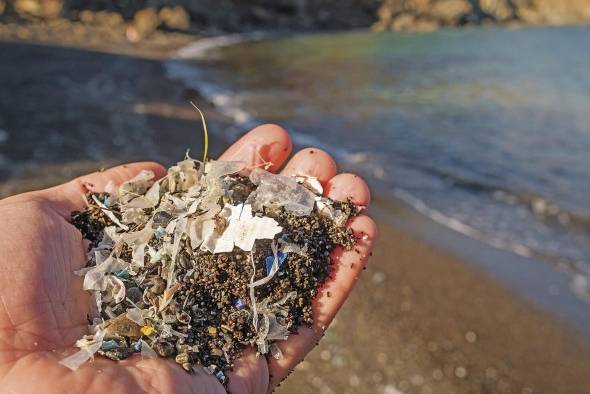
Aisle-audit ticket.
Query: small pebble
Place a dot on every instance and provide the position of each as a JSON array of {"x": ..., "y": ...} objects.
[
  {"x": 460, "y": 372},
  {"x": 325, "y": 355},
  {"x": 470, "y": 337},
  {"x": 378, "y": 277}
]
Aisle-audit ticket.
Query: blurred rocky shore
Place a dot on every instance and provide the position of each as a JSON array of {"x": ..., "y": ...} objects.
[{"x": 137, "y": 20}]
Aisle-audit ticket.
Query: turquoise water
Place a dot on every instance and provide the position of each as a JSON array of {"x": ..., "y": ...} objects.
[{"x": 486, "y": 131}]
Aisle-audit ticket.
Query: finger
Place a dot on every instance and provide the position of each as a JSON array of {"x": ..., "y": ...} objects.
[
  {"x": 347, "y": 266},
  {"x": 311, "y": 162},
  {"x": 68, "y": 196},
  {"x": 346, "y": 270},
  {"x": 266, "y": 146},
  {"x": 344, "y": 186},
  {"x": 249, "y": 375}
]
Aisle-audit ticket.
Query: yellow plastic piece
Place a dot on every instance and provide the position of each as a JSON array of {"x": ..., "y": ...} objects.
[{"x": 147, "y": 330}]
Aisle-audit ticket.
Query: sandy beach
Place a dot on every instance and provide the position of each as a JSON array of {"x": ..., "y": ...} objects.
[{"x": 421, "y": 320}]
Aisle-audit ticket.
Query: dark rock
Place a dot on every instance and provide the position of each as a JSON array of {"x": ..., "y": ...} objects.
[
  {"x": 164, "y": 349},
  {"x": 175, "y": 18},
  {"x": 134, "y": 294},
  {"x": 450, "y": 12},
  {"x": 121, "y": 353},
  {"x": 45, "y": 9},
  {"x": 145, "y": 22}
]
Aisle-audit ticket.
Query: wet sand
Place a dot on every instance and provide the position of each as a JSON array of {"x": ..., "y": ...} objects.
[
  {"x": 85, "y": 109},
  {"x": 421, "y": 319}
]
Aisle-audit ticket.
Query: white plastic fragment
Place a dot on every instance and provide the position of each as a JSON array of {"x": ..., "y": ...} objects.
[
  {"x": 182, "y": 176},
  {"x": 252, "y": 293},
  {"x": 194, "y": 206},
  {"x": 153, "y": 194},
  {"x": 137, "y": 241},
  {"x": 271, "y": 327},
  {"x": 207, "y": 236},
  {"x": 109, "y": 213},
  {"x": 178, "y": 334},
  {"x": 273, "y": 270},
  {"x": 96, "y": 303},
  {"x": 289, "y": 247},
  {"x": 276, "y": 191},
  {"x": 109, "y": 312},
  {"x": 133, "y": 215},
  {"x": 276, "y": 330},
  {"x": 244, "y": 229},
  {"x": 147, "y": 351},
  {"x": 178, "y": 203},
  {"x": 136, "y": 186},
  {"x": 149, "y": 200},
  {"x": 88, "y": 346},
  {"x": 97, "y": 278},
  {"x": 326, "y": 209},
  {"x": 117, "y": 288},
  {"x": 136, "y": 315},
  {"x": 138, "y": 254},
  {"x": 310, "y": 182},
  {"x": 155, "y": 255},
  {"x": 110, "y": 237},
  {"x": 218, "y": 169}
]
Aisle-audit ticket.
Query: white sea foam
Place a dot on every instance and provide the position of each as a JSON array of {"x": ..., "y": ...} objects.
[
  {"x": 461, "y": 227},
  {"x": 201, "y": 49},
  {"x": 580, "y": 285}
]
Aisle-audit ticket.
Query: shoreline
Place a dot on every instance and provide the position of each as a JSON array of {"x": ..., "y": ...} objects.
[
  {"x": 452, "y": 323},
  {"x": 536, "y": 282}
]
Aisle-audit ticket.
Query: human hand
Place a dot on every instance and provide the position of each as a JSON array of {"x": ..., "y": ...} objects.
[{"x": 43, "y": 308}]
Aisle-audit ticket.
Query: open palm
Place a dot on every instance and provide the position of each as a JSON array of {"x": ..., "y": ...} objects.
[{"x": 43, "y": 309}]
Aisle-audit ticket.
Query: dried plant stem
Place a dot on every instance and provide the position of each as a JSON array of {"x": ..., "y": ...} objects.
[{"x": 205, "y": 133}]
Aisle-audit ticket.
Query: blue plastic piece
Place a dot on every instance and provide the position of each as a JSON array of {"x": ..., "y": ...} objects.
[
  {"x": 123, "y": 274},
  {"x": 160, "y": 232},
  {"x": 109, "y": 345},
  {"x": 270, "y": 260}
]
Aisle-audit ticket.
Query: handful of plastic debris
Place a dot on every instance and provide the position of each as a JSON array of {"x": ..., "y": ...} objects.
[{"x": 205, "y": 262}]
